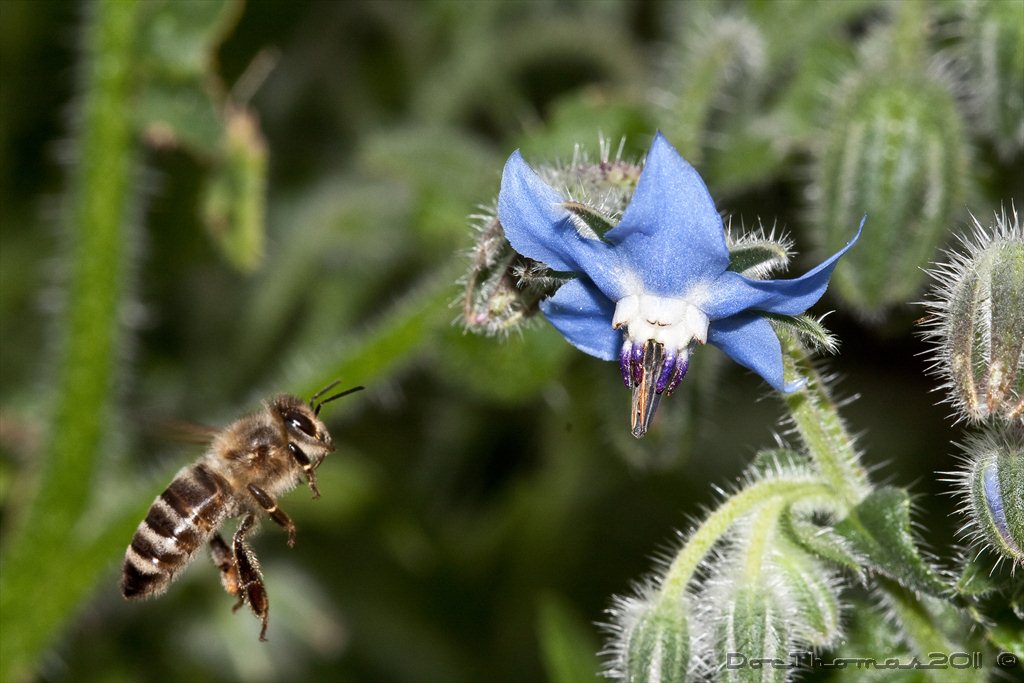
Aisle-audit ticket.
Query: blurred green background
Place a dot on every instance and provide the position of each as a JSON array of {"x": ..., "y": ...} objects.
[{"x": 486, "y": 499}]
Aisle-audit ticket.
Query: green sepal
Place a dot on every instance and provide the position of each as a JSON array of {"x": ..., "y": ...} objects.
[
  {"x": 809, "y": 330},
  {"x": 590, "y": 218},
  {"x": 878, "y": 529},
  {"x": 757, "y": 259}
]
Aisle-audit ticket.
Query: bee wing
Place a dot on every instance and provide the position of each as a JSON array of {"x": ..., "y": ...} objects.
[{"x": 181, "y": 431}]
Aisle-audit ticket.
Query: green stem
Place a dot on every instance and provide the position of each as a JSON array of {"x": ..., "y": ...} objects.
[
  {"x": 819, "y": 425},
  {"x": 41, "y": 581},
  {"x": 762, "y": 534},
  {"x": 763, "y": 492},
  {"x": 391, "y": 340}
]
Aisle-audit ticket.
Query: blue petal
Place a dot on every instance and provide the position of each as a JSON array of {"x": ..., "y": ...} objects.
[
  {"x": 750, "y": 341},
  {"x": 671, "y": 233},
  {"x": 732, "y": 293},
  {"x": 584, "y": 317},
  {"x": 539, "y": 227}
]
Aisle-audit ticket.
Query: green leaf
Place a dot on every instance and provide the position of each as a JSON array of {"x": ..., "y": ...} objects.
[
  {"x": 181, "y": 96},
  {"x": 172, "y": 115},
  {"x": 235, "y": 195},
  {"x": 879, "y": 530},
  {"x": 567, "y": 644},
  {"x": 179, "y": 36}
]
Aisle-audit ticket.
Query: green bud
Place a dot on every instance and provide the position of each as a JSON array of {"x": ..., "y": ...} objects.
[
  {"x": 994, "y": 39},
  {"x": 751, "y": 626},
  {"x": 605, "y": 185},
  {"x": 896, "y": 151},
  {"x": 653, "y": 644},
  {"x": 503, "y": 288},
  {"x": 992, "y": 489},
  {"x": 716, "y": 60},
  {"x": 812, "y": 592},
  {"x": 977, "y": 320}
]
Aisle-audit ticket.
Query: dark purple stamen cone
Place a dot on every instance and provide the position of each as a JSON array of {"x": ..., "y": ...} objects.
[
  {"x": 624, "y": 365},
  {"x": 667, "y": 369},
  {"x": 682, "y": 364},
  {"x": 645, "y": 394},
  {"x": 636, "y": 358}
]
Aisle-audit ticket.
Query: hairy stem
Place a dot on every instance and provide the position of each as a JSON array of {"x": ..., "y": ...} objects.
[
  {"x": 817, "y": 421},
  {"x": 37, "y": 590},
  {"x": 721, "y": 520}
]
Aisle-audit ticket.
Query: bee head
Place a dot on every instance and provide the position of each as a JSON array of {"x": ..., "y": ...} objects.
[{"x": 302, "y": 421}]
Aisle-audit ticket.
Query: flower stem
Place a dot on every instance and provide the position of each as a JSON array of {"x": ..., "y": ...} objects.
[
  {"x": 819, "y": 425},
  {"x": 700, "y": 542},
  {"x": 762, "y": 533},
  {"x": 37, "y": 590}
]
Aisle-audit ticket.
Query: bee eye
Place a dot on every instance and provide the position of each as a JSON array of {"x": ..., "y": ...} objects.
[{"x": 300, "y": 422}]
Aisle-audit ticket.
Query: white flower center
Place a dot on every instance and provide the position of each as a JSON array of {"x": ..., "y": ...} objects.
[{"x": 668, "y": 321}]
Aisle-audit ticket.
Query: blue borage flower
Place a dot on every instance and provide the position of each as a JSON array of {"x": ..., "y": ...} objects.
[{"x": 658, "y": 283}]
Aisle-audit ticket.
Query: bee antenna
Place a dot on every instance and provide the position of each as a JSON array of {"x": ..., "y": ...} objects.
[
  {"x": 323, "y": 391},
  {"x": 316, "y": 408}
]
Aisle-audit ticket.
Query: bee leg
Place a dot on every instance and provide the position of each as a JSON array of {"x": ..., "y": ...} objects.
[
  {"x": 225, "y": 562},
  {"x": 250, "y": 578},
  {"x": 269, "y": 506},
  {"x": 307, "y": 466}
]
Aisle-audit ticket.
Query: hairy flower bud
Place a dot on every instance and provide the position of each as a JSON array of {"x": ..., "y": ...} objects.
[
  {"x": 812, "y": 591},
  {"x": 992, "y": 492},
  {"x": 994, "y": 45},
  {"x": 896, "y": 150},
  {"x": 977, "y": 322},
  {"x": 751, "y": 632},
  {"x": 503, "y": 288},
  {"x": 652, "y": 643}
]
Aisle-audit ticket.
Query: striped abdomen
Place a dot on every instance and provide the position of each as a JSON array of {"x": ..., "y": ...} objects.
[{"x": 181, "y": 519}]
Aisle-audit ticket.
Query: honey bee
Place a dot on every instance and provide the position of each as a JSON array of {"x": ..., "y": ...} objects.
[{"x": 247, "y": 466}]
